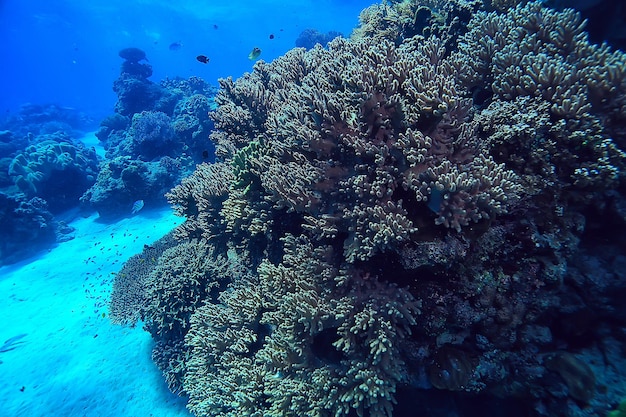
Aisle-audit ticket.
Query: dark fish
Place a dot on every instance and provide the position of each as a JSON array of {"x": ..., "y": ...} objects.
[
  {"x": 12, "y": 343},
  {"x": 214, "y": 26},
  {"x": 271, "y": 36},
  {"x": 175, "y": 46},
  {"x": 256, "y": 52},
  {"x": 203, "y": 58}
]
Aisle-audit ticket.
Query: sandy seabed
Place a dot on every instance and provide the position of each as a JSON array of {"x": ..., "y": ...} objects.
[{"x": 59, "y": 353}]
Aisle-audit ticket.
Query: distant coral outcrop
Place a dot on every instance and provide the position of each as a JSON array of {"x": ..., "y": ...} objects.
[
  {"x": 159, "y": 131},
  {"x": 44, "y": 169},
  {"x": 27, "y": 226},
  {"x": 56, "y": 169}
]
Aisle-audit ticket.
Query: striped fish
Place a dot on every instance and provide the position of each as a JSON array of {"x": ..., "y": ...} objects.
[{"x": 137, "y": 205}]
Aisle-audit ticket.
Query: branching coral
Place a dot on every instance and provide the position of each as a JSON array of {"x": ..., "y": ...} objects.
[
  {"x": 400, "y": 20},
  {"x": 256, "y": 342},
  {"x": 537, "y": 60},
  {"x": 186, "y": 276},
  {"x": 365, "y": 125},
  {"x": 129, "y": 286},
  {"x": 389, "y": 212},
  {"x": 200, "y": 197}
]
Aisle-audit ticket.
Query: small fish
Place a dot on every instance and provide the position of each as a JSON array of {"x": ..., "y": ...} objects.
[
  {"x": 12, "y": 343},
  {"x": 137, "y": 205},
  {"x": 175, "y": 46},
  {"x": 271, "y": 36},
  {"x": 203, "y": 58},
  {"x": 254, "y": 55},
  {"x": 215, "y": 27}
]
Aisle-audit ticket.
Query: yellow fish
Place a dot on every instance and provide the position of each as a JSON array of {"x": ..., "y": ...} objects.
[{"x": 256, "y": 52}]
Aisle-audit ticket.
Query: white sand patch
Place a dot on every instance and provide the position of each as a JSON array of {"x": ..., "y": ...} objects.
[
  {"x": 72, "y": 361},
  {"x": 91, "y": 141}
]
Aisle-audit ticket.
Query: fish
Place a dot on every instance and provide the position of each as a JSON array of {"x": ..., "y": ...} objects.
[
  {"x": 203, "y": 58},
  {"x": 271, "y": 36},
  {"x": 12, "y": 343},
  {"x": 137, "y": 205},
  {"x": 175, "y": 46},
  {"x": 256, "y": 52}
]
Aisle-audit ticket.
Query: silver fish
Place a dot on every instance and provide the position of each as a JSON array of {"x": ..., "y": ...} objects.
[{"x": 137, "y": 205}]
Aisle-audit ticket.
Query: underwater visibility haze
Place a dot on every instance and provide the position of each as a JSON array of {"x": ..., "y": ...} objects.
[{"x": 317, "y": 208}]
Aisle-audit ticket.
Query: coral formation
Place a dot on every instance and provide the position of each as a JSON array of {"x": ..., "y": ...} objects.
[
  {"x": 152, "y": 136},
  {"x": 34, "y": 120},
  {"x": 43, "y": 172},
  {"x": 400, "y": 20},
  {"x": 122, "y": 181},
  {"x": 308, "y": 38},
  {"x": 135, "y": 92},
  {"x": 151, "y": 147},
  {"x": 400, "y": 212},
  {"x": 129, "y": 287},
  {"x": 27, "y": 227}
]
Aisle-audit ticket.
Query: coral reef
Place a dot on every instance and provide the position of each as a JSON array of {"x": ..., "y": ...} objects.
[
  {"x": 151, "y": 147},
  {"x": 430, "y": 205},
  {"x": 56, "y": 169},
  {"x": 44, "y": 170},
  {"x": 129, "y": 287},
  {"x": 604, "y": 18},
  {"x": 308, "y": 38},
  {"x": 152, "y": 136},
  {"x": 27, "y": 227},
  {"x": 122, "y": 181},
  {"x": 42, "y": 119},
  {"x": 134, "y": 91},
  {"x": 400, "y": 20}
]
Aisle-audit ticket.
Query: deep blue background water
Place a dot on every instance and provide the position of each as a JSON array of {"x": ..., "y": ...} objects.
[{"x": 66, "y": 51}]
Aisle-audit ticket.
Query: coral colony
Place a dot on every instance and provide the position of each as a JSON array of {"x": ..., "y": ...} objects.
[
  {"x": 401, "y": 212},
  {"x": 154, "y": 139}
]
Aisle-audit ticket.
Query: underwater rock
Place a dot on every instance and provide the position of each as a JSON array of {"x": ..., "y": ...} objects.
[
  {"x": 451, "y": 369},
  {"x": 27, "y": 227},
  {"x": 578, "y": 376}
]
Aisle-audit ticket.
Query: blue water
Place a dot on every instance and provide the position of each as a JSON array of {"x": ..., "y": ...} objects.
[{"x": 65, "y": 52}]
